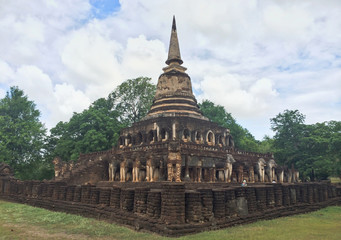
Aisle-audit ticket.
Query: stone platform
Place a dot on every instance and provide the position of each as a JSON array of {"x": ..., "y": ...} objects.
[{"x": 174, "y": 209}]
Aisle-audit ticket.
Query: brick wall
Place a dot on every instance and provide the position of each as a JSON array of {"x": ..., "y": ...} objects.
[{"x": 174, "y": 209}]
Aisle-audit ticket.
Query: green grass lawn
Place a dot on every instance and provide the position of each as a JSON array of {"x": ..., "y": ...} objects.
[{"x": 18, "y": 221}]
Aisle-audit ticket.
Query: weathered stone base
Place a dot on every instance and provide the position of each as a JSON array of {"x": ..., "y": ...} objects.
[{"x": 175, "y": 209}]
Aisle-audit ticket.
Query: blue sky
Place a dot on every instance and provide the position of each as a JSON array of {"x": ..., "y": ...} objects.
[
  {"x": 256, "y": 58},
  {"x": 103, "y": 8}
]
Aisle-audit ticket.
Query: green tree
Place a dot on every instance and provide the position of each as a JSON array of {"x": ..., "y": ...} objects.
[
  {"x": 266, "y": 145},
  {"x": 242, "y": 137},
  {"x": 133, "y": 99},
  {"x": 95, "y": 129},
  {"x": 22, "y": 136},
  {"x": 288, "y": 127},
  {"x": 98, "y": 128},
  {"x": 313, "y": 149}
]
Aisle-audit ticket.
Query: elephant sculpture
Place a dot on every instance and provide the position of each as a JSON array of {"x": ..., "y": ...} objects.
[
  {"x": 228, "y": 167},
  {"x": 280, "y": 174},
  {"x": 260, "y": 169},
  {"x": 114, "y": 164},
  {"x": 136, "y": 169},
  {"x": 270, "y": 170}
]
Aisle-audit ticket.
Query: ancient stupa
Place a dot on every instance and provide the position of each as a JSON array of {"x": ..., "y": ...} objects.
[{"x": 175, "y": 142}]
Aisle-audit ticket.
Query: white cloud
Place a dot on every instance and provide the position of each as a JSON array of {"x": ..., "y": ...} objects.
[
  {"x": 242, "y": 102},
  {"x": 255, "y": 58}
]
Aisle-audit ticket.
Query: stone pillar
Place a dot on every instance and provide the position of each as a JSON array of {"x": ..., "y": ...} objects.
[
  {"x": 69, "y": 193},
  {"x": 241, "y": 201},
  {"x": 49, "y": 189},
  {"x": 230, "y": 204},
  {"x": 77, "y": 194},
  {"x": 286, "y": 195},
  {"x": 292, "y": 194},
  {"x": 219, "y": 203},
  {"x": 127, "y": 199},
  {"x": 251, "y": 199},
  {"x": 173, "y": 203},
  {"x": 43, "y": 189},
  {"x": 310, "y": 193},
  {"x": 193, "y": 206},
  {"x": 270, "y": 196},
  {"x": 278, "y": 195},
  {"x": 206, "y": 196},
  {"x": 62, "y": 193},
  {"x": 104, "y": 196},
  {"x": 261, "y": 197},
  {"x": 86, "y": 194},
  {"x": 115, "y": 196},
  {"x": 140, "y": 200},
  {"x": 154, "y": 203},
  {"x": 304, "y": 193},
  {"x": 94, "y": 195}
]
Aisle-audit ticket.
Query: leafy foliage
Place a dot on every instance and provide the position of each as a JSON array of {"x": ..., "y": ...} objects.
[
  {"x": 98, "y": 128},
  {"x": 22, "y": 136},
  {"x": 288, "y": 127},
  {"x": 314, "y": 149},
  {"x": 133, "y": 99},
  {"x": 95, "y": 129}
]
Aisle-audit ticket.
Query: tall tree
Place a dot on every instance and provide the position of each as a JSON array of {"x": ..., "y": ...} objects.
[
  {"x": 242, "y": 137},
  {"x": 133, "y": 99},
  {"x": 98, "y": 128},
  {"x": 313, "y": 149},
  {"x": 288, "y": 127},
  {"x": 95, "y": 129},
  {"x": 22, "y": 136}
]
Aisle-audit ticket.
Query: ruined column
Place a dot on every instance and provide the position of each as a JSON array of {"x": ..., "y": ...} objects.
[
  {"x": 230, "y": 203},
  {"x": 261, "y": 197},
  {"x": 219, "y": 203},
  {"x": 127, "y": 199},
  {"x": 104, "y": 196},
  {"x": 241, "y": 201},
  {"x": 193, "y": 206},
  {"x": 278, "y": 195},
  {"x": 206, "y": 196},
  {"x": 140, "y": 200},
  {"x": 69, "y": 193},
  {"x": 94, "y": 195},
  {"x": 251, "y": 199},
  {"x": 173, "y": 203},
  {"x": 115, "y": 196},
  {"x": 154, "y": 203},
  {"x": 77, "y": 195},
  {"x": 86, "y": 194},
  {"x": 270, "y": 196},
  {"x": 286, "y": 195}
]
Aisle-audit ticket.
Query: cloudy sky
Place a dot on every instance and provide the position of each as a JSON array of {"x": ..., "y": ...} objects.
[{"x": 256, "y": 58}]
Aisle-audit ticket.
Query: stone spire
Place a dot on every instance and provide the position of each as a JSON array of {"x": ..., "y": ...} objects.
[
  {"x": 174, "y": 50},
  {"x": 174, "y": 96}
]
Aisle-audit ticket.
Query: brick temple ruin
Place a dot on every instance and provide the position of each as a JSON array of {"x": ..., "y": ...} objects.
[
  {"x": 173, "y": 173},
  {"x": 174, "y": 142}
]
